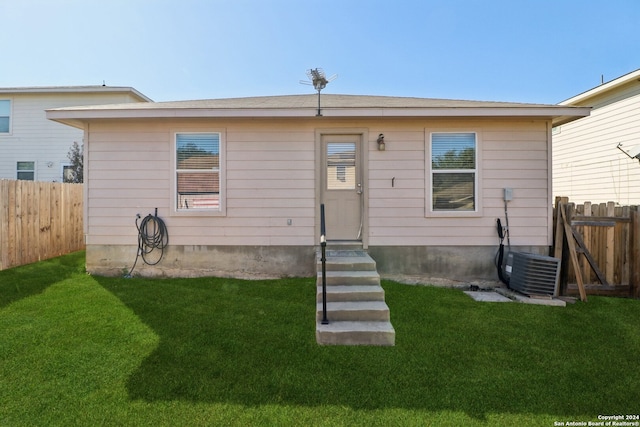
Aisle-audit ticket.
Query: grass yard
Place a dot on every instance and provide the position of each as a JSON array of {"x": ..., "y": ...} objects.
[{"x": 83, "y": 350}]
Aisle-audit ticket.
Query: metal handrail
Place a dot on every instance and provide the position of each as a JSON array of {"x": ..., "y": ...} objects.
[{"x": 323, "y": 260}]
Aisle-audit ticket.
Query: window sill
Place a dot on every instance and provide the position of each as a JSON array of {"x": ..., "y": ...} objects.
[
  {"x": 199, "y": 213},
  {"x": 454, "y": 214}
]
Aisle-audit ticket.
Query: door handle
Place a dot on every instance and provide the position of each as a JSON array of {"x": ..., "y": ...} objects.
[{"x": 359, "y": 189}]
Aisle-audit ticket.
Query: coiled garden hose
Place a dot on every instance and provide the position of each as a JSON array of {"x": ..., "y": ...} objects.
[{"x": 152, "y": 235}]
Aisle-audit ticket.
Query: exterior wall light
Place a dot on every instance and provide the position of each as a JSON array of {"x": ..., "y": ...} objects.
[{"x": 380, "y": 141}]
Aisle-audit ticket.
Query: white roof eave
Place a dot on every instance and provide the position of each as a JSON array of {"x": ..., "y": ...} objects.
[
  {"x": 76, "y": 89},
  {"x": 82, "y": 115},
  {"x": 603, "y": 88}
]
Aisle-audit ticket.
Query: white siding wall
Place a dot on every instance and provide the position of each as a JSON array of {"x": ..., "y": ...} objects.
[
  {"x": 34, "y": 138},
  {"x": 587, "y": 166},
  {"x": 270, "y": 168}
]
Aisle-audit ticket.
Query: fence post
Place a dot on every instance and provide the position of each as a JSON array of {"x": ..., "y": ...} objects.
[
  {"x": 610, "y": 245},
  {"x": 4, "y": 224},
  {"x": 634, "y": 252},
  {"x": 560, "y": 249},
  {"x": 586, "y": 237}
]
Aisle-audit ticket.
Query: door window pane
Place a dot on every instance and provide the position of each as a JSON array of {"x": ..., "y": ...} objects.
[{"x": 341, "y": 166}]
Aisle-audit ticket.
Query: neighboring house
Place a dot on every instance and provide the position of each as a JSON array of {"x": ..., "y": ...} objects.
[
  {"x": 590, "y": 161},
  {"x": 34, "y": 148},
  {"x": 239, "y": 182}
]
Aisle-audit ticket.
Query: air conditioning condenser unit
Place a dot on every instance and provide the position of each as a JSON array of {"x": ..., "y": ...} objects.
[{"x": 533, "y": 274}]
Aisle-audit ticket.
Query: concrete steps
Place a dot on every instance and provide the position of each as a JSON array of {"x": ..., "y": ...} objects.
[
  {"x": 350, "y": 278},
  {"x": 356, "y": 333},
  {"x": 367, "y": 311},
  {"x": 356, "y": 307},
  {"x": 343, "y": 293}
]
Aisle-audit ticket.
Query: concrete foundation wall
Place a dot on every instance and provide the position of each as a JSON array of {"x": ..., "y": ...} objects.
[
  {"x": 257, "y": 262},
  {"x": 457, "y": 263},
  {"x": 246, "y": 262}
]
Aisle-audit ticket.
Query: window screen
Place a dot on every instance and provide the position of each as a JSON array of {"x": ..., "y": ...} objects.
[
  {"x": 198, "y": 171},
  {"x": 453, "y": 171}
]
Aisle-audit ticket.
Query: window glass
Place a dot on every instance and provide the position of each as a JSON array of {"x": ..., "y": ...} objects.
[
  {"x": 341, "y": 166},
  {"x": 68, "y": 174},
  {"x": 453, "y": 171},
  {"x": 5, "y": 113},
  {"x": 26, "y": 171},
  {"x": 198, "y": 171}
]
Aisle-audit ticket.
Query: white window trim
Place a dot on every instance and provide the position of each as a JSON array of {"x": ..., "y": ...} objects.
[
  {"x": 223, "y": 175},
  {"x": 10, "y": 132},
  {"x": 429, "y": 212}
]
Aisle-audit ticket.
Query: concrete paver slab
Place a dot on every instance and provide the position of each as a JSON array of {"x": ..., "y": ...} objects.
[{"x": 487, "y": 296}]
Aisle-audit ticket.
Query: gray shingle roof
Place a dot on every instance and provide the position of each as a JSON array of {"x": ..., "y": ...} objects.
[
  {"x": 362, "y": 106},
  {"x": 328, "y": 101},
  {"x": 74, "y": 89}
]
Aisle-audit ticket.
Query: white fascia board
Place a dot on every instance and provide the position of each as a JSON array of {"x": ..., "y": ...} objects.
[
  {"x": 78, "y": 115},
  {"x": 78, "y": 89},
  {"x": 148, "y": 113},
  {"x": 576, "y": 112}
]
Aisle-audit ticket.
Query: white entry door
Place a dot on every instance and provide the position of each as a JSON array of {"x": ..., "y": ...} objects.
[{"x": 342, "y": 186}]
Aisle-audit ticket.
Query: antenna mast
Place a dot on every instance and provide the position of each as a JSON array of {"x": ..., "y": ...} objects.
[{"x": 319, "y": 82}]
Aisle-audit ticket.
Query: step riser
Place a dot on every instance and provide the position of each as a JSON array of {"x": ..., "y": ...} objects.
[
  {"x": 335, "y": 246},
  {"x": 361, "y": 266},
  {"x": 356, "y": 338},
  {"x": 351, "y": 296},
  {"x": 333, "y": 280},
  {"x": 357, "y": 315},
  {"x": 357, "y": 260}
]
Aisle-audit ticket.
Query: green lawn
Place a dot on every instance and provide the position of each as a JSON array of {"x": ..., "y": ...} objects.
[{"x": 83, "y": 350}]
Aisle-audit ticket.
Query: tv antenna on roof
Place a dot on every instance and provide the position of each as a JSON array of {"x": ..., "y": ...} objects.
[{"x": 319, "y": 82}]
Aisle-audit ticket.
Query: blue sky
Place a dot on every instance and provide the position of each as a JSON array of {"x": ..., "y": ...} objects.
[{"x": 539, "y": 51}]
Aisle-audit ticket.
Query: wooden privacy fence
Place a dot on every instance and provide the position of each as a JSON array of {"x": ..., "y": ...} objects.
[
  {"x": 604, "y": 241},
  {"x": 39, "y": 220}
]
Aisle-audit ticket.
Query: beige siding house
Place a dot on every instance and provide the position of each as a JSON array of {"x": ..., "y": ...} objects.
[
  {"x": 590, "y": 155},
  {"x": 239, "y": 182},
  {"x": 35, "y": 148}
]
